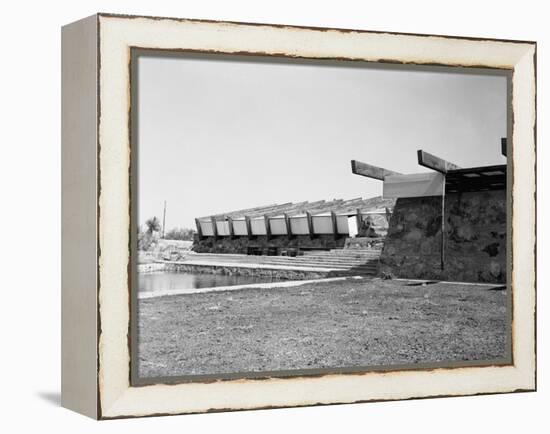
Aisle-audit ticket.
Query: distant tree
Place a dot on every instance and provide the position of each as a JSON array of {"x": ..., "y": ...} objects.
[
  {"x": 148, "y": 238},
  {"x": 153, "y": 225},
  {"x": 180, "y": 234}
]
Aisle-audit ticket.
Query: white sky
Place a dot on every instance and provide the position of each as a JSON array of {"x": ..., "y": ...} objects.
[{"x": 218, "y": 135}]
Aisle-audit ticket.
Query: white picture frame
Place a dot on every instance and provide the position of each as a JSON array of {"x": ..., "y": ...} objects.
[{"x": 96, "y": 138}]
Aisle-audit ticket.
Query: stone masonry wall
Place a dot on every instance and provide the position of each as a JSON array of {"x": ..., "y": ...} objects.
[
  {"x": 475, "y": 238},
  {"x": 240, "y": 244},
  {"x": 273, "y": 273}
]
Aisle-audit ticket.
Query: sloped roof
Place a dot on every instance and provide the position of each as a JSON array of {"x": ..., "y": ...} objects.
[{"x": 339, "y": 206}]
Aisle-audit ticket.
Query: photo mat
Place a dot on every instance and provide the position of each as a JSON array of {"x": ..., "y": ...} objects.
[{"x": 420, "y": 284}]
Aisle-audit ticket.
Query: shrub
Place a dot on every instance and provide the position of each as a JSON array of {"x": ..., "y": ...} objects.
[{"x": 180, "y": 234}]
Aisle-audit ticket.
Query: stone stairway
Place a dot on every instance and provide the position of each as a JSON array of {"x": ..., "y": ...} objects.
[{"x": 340, "y": 262}]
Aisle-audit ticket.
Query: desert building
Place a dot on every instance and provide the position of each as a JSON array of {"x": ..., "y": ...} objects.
[
  {"x": 450, "y": 224},
  {"x": 447, "y": 224},
  {"x": 282, "y": 229}
]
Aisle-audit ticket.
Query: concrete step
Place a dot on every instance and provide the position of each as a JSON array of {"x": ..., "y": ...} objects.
[
  {"x": 245, "y": 258},
  {"x": 354, "y": 251},
  {"x": 342, "y": 251},
  {"x": 360, "y": 262},
  {"x": 332, "y": 258},
  {"x": 316, "y": 264},
  {"x": 334, "y": 267},
  {"x": 344, "y": 255},
  {"x": 336, "y": 252},
  {"x": 319, "y": 259},
  {"x": 329, "y": 259},
  {"x": 290, "y": 262},
  {"x": 301, "y": 265},
  {"x": 330, "y": 254}
]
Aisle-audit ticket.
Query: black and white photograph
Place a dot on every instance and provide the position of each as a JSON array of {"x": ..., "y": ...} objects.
[
  {"x": 295, "y": 217},
  {"x": 274, "y": 217}
]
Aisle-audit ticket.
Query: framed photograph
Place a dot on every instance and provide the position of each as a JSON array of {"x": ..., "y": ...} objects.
[{"x": 262, "y": 216}]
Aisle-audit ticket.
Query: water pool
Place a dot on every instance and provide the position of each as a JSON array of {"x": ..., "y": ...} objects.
[{"x": 179, "y": 282}]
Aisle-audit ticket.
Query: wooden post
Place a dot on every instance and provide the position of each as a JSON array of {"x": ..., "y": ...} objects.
[
  {"x": 440, "y": 165},
  {"x": 199, "y": 229},
  {"x": 214, "y": 228},
  {"x": 334, "y": 224},
  {"x": 288, "y": 226},
  {"x": 359, "y": 219},
  {"x": 248, "y": 227},
  {"x": 310, "y": 224},
  {"x": 230, "y": 226},
  {"x": 267, "y": 227},
  {"x": 388, "y": 216}
]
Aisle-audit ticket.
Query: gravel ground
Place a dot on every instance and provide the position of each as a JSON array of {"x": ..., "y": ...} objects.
[{"x": 322, "y": 325}]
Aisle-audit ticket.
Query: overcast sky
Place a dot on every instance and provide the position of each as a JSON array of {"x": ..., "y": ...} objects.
[{"x": 217, "y": 135}]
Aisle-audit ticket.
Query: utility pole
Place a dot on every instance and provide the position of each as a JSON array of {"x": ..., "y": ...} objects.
[
  {"x": 443, "y": 226},
  {"x": 164, "y": 220}
]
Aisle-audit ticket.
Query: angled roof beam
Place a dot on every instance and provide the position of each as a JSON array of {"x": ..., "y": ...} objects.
[
  {"x": 435, "y": 163},
  {"x": 282, "y": 210},
  {"x": 242, "y": 211},
  {"x": 364, "y": 169}
]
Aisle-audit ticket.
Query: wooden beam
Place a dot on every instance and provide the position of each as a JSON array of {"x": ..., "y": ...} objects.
[
  {"x": 364, "y": 169},
  {"x": 199, "y": 229},
  {"x": 310, "y": 224},
  {"x": 248, "y": 227},
  {"x": 388, "y": 216},
  {"x": 231, "y": 228},
  {"x": 359, "y": 219},
  {"x": 214, "y": 228},
  {"x": 504, "y": 146},
  {"x": 334, "y": 224},
  {"x": 432, "y": 162},
  {"x": 267, "y": 227},
  {"x": 288, "y": 226}
]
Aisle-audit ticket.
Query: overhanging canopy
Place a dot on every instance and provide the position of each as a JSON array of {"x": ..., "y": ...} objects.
[{"x": 476, "y": 179}]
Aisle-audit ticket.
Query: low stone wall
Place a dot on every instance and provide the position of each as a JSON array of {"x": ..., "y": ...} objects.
[
  {"x": 364, "y": 243},
  {"x": 475, "y": 238},
  {"x": 240, "y": 244},
  {"x": 275, "y": 273},
  {"x": 161, "y": 249},
  {"x": 152, "y": 267}
]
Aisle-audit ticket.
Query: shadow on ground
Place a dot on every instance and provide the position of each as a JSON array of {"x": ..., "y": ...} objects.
[{"x": 52, "y": 398}]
